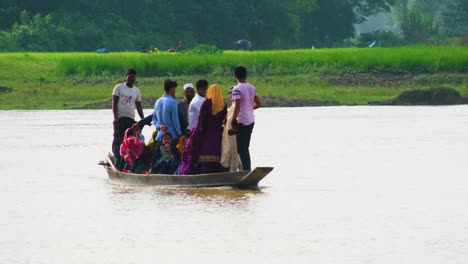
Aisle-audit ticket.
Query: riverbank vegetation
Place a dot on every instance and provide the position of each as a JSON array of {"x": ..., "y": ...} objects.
[
  {"x": 343, "y": 76},
  {"x": 418, "y": 59},
  {"x": 118, "y": 25}
]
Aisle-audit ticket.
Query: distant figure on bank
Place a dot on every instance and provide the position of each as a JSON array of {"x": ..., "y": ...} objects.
[
  {"x": 132, "y": 150},
  {"x": 245, "y": 100},
  {"x": 166, "y": 114},
  {"x": 195, "y": 105},
  {"x": 166, "y": 158},
  {"x": 102, "y": 51},
  {"x": 202, "y": 152},
  {"x": 243, "y": 44},
  {"x": 183, "y": 106},
  {"x": 229, "y": 156},
  {"x": 180, "y": 46},
  {"x": 126, "y": 97}
]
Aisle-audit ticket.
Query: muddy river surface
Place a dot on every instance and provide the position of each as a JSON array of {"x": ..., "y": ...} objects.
[{"x": 350, "y": 185}]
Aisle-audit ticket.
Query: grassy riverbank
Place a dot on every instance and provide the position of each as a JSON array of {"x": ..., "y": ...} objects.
[{"x": 345, "y": 76}]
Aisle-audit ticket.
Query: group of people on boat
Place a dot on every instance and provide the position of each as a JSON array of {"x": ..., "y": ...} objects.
[{"x": 197, "y": 135}]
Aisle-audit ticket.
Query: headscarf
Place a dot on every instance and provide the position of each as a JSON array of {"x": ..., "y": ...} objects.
[
  {"x": 131, "y": 146},
  {"x": 214, "y": 93},
  {"x": 152, "y": 143}
]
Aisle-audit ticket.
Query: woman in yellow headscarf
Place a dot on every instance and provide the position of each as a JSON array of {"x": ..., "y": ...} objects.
[
  {"x": 202, "y": 152},
  {"x": 214, "y": 93}
]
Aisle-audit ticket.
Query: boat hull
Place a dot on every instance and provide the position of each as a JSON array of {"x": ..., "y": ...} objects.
[{"x": 241, "y": 179}]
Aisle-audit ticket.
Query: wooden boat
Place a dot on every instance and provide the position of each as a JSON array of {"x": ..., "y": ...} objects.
[{"x": 241, "y": 179}]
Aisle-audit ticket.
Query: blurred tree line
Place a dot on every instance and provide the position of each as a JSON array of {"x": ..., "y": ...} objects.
[
  {"x": 423, "y": 21},
  {"x": 85, "y": 25}
]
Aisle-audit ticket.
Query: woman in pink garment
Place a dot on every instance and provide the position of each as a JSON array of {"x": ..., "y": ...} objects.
[{"x": 131, "y": 151}]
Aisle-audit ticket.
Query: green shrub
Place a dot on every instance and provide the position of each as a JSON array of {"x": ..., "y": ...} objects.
[
  {"x": 37, "y": 33},
  {"x": 204, "y": 49}
]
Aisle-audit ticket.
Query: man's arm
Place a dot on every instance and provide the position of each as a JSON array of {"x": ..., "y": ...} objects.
[
  {"x": 155, "y": 118},
  {"x": 147, "y": 120},
  {"x": 175, "y": 119},
  {"x": 257, "y": 102},
  {"x": 236, "y": 96},
  {"x": 139, "y": 109},
  {"x": 236, "y": 110},
  {"x": 115, "y": 103}
]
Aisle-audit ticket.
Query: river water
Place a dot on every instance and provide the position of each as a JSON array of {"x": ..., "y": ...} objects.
[{"x": 350, "y": 185}]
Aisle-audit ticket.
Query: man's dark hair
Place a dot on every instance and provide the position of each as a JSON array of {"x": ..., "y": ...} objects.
[
  {"x": 240, "y": 73},
  {"x": 169, "y": 84},
  {"x": 131, "y": 72},
  {"x": 202, "y": 84}
]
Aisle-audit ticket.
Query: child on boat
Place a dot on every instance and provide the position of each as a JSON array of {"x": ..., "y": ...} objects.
[
  {"x": 132, "y": 149},
  {"x": 166, "y": 158}
]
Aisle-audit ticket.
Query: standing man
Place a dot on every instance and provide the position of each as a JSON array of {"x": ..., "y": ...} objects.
[
  {"x": 183, "y": 106},
  {"x": 166, "y": 114},
  {"x": 195, "y": 105},
  {"x": 246, "y": 101},
  {"x": 126, "y": 97}
]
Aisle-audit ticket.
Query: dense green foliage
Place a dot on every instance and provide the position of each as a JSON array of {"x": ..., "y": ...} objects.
[
  {"x": 457, "y": 15},
  {"x": 85, "y": 25},
  {"x": 438, "y": 22}
]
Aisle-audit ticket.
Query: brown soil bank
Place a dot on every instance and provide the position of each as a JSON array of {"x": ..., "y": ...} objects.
[
  {"x": 421, "y": 95},
  {"x": 267, "y": 102},
  {"x": 393, "y": 79},
  {"x": 435, "y": 96}
]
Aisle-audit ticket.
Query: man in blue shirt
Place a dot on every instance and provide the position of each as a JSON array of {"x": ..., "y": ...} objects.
[{"x": 165, "y": 115}]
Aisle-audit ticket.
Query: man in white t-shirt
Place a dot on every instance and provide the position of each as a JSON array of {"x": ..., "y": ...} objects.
[
  {"x": 126, "y": 97},
  {"x": 246, "y": 101},
  {"x": 197, "y": 101}
]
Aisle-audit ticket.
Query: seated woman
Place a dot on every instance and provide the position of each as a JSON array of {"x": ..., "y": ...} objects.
[
  {"x": 152, "y": 143},
  {"x": 202, "y": 151},
  {"x": 166, "y": 158},
  {"x": 131, "y": 150}
]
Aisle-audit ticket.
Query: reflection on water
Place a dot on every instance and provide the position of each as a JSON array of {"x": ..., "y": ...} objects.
[
  {"x": 364, "y": 185},
  {"x": 222, "y": 196}
]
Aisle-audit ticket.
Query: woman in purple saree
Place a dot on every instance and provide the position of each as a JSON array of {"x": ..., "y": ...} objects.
[{"x": 202, "y": 151}]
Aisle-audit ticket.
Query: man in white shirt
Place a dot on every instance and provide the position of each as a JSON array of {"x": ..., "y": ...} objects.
[
  {"x": 126, "y": 97},
  {"x": 197, "y": 101}
]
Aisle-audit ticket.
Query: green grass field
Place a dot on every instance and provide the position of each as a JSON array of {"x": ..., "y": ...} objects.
[
  {"x": 70, "y": 80},
  {"x": 393, "y": 60}
]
